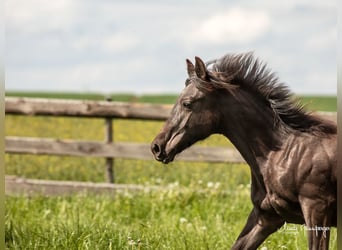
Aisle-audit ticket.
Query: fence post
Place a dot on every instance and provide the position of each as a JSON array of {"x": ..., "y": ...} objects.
[{"x": 109, "y": 139}]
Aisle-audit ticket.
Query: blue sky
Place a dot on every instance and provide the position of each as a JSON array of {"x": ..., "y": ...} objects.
[{"x": 140, "y": 47}]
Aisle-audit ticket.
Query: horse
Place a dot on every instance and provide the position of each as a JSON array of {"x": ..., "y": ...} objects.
[{"x": 292, "y": 153}]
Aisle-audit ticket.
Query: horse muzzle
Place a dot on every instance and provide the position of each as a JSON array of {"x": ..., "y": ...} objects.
[{"x": 160, "y": 154}]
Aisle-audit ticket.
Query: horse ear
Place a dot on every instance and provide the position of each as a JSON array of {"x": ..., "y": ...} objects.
[
  {"x": 190, "y": 68},
  {"x": 200, "y": 69}
]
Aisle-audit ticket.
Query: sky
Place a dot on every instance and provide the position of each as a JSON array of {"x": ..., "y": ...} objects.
[{"x": 140, "y": 47}]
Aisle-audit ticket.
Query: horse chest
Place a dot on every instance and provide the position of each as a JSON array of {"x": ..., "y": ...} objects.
[
  {"x": 271, "y": 197},
  {"x": 287, "y": 209},
  {"x": 281, "y": 190}
]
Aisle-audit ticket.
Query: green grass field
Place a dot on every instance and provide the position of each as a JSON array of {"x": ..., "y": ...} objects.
[{"x": 203, "y": 207}]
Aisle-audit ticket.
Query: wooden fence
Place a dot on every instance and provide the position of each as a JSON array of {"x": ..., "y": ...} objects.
[{"x": 108, "y": 149}]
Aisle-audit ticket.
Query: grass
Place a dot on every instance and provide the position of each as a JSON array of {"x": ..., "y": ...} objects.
[
  {"x": 320, "y": 103},
  {"x": 171, "y": 219},
  {"x": 203, "y": 207}
]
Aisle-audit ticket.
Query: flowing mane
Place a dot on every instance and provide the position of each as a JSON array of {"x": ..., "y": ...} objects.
[{"x": 247, "y": 72}]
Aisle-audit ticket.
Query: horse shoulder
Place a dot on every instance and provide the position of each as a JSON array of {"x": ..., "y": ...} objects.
[
  {"x": 302, "y": 160},
  {"x": 304, "y": 166}
]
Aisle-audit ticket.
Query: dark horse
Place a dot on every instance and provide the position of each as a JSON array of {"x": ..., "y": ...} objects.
[{"x": 291, "y": 153}]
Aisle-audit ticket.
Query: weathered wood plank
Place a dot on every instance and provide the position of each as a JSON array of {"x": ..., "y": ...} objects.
[
  {"x": 47, "y": 146},
  {"x": 332, "y": 116},
  {"x": 15, "y": 186},
  {"x": 82, "y": 108}
]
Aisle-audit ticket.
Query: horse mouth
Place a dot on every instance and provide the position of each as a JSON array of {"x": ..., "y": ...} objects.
[
  {"x": 166, "y": 153},
  {"x": 160, "y": 154},
  {"x": 165, "y": 158}
]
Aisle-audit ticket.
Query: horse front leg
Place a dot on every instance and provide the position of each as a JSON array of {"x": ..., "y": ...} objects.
[
  {"x": 318, "y": 238},
  {"x": 258, "y": 227},
  {"x": 317, "y": 223}
]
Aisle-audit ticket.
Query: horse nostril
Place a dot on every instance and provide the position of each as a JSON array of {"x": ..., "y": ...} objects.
[{"x": 155, "y": 148}]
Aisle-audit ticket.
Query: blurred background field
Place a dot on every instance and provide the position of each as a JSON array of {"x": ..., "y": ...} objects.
[{"x": 204, "y": 205}]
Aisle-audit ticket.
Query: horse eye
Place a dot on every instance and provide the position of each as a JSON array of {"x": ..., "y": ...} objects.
[{"x": 187, "y": 105}]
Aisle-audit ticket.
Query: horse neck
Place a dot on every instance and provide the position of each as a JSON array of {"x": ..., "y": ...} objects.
[{"x": 249, "y": 124}]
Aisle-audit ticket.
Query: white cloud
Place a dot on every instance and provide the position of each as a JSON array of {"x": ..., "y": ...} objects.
[
  {"x": 322, "y": 83},
  {"x": 236, "y": 25},
  {"x": 86, "y": 76},
  {"x": 323, "y": 39},
  {"x": 109, "y": 43},
  {"x": 38, "y": 15},
  {"x": 120, "y": 42},
  {"x": 130, "y": 46}
]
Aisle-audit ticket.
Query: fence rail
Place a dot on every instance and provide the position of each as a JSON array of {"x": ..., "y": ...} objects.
[
  {"x": 99, "y": 109},
  {"x": 106, "y": 110},
  {"x": 78, "y": 108},
  {"x": 17, "y": 185},
  {"x": 47, "y": 146}
]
